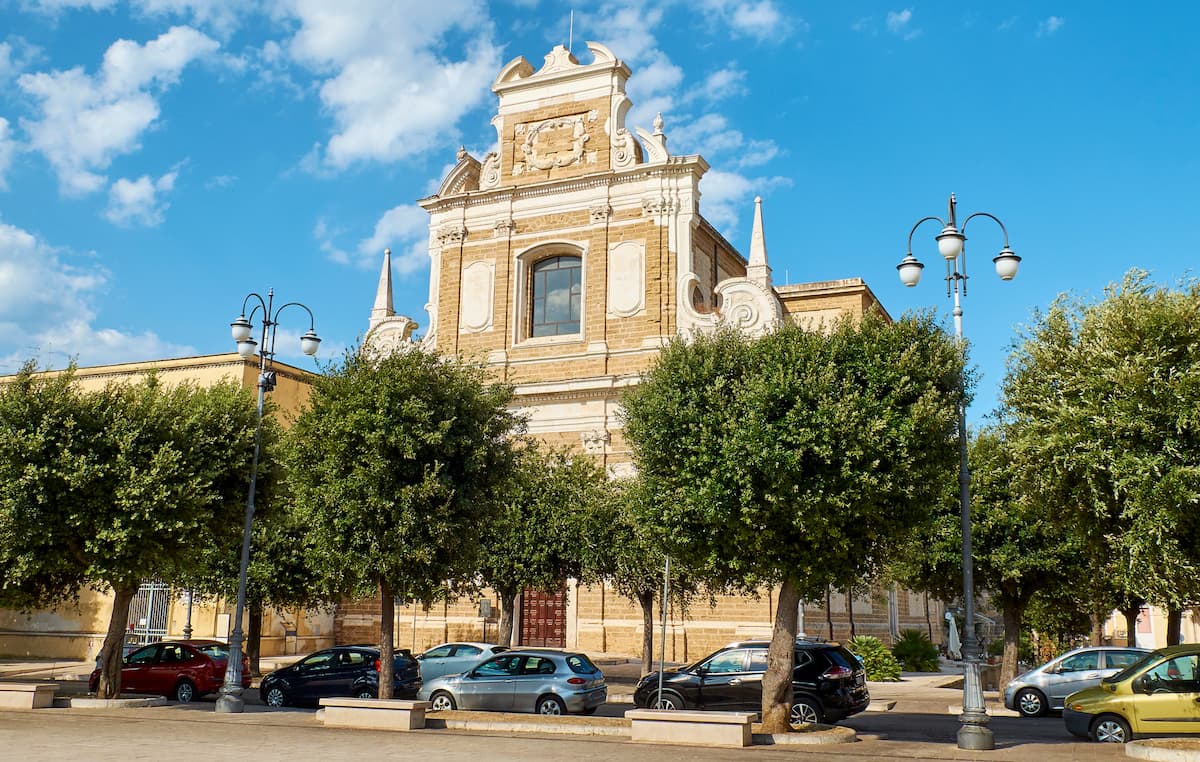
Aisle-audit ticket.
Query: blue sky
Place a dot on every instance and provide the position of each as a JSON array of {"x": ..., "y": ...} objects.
[{"x": 161, "y": 158}]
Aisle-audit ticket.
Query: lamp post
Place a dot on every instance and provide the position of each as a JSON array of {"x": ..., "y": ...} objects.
[
  {"x": 973, "y": 733},
  {"x": 230, "y": 700}
]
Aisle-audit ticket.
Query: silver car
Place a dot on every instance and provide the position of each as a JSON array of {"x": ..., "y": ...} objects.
[
  {"x": 452, "y": 658},
  {"x": 1045, "y": 688},
  {"x": 545, "y": 682}
]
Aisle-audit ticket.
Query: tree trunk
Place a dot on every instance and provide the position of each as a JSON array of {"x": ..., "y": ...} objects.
[
  {"x": 1097, "y": 638},
  {"x": 1131, "y": 617},
  {"x": 507, "y": 606},
  {"x": 387, "y": 624},
  {"x": 254, "y": 638},
  {"x": 850, "y": 611},
  {"x": 1174, "y": 626},
  {"x": 112, "y": 656},
  {"x": 646, "y": 598},
  {"x": 829, "y": 611},
  {"x": 928, "y": 621},
  {"x": 777, "y": 680},
  {"x": 1012, "y": 642}
]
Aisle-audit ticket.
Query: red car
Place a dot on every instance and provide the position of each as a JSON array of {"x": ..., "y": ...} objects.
[{"x": 182, "y": 669}]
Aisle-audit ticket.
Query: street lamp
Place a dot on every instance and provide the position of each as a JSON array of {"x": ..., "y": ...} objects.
[
  {"x": 974, "y": 733},
  {"x": 230, "y": 700}
]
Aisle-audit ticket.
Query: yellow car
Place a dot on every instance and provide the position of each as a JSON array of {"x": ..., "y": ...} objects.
[{"x": 1157, "y": 695}]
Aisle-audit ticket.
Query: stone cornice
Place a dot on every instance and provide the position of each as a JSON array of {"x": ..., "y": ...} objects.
[{"x": 230, "y": 360}]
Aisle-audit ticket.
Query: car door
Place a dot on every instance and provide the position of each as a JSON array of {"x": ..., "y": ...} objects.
[
  {"x": 747, "y": 688},
  {"x": 350, "y": 665},
  {"x": 160, "y": 676},
  {"x": 135, "y": 674},
  {"x": 464, "y": 658},
  {"x": 721, "y": 679},
  {"x": 535, "y": 676},
  {"x": 313, "y": 675},
  {"x": 1073, "y": 673},
  {"x": 1167, "y": 697},
  {"x": 436, "y": 662},
  {"x": 489, "y": 686}
]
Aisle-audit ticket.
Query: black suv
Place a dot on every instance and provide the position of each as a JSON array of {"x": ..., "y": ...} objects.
[
  {"x": 339, "y": 671},
  {"x": 828, "y": 682}
]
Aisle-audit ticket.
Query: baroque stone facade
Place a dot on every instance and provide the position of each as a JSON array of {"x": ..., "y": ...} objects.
[{"x": 567, "y": 257}]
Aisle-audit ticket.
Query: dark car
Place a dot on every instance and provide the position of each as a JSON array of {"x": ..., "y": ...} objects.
[
  {"x": 828, "y": 683},
  {"x": 339, "y": 671},
  {"x": 183, "y": 670}
]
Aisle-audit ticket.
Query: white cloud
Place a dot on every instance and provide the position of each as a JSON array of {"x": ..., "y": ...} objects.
[
  {"x": 405, "y": 230},
  {"x": 46, "y": 310},
  {"x": 726, "y": 82},
  {"x": 1050, "y": 25},
  {"x": 325, "y": 236},
  {"x": 727, "y": 197},
  {"x": 140, "y": 201},
  {"x": 899, "y": 24},
  {"x": 711, "y": 135},
  {"x": 86, "y": 121},
  {"x": 221, "y": 16},
  {"x": 16, "y": 55},
  {"x": 8, "y": 148},
  {"x": 389, "y": 87},
  {"x": 760, "y": 19},
  {"x": 220, "y": 181}
]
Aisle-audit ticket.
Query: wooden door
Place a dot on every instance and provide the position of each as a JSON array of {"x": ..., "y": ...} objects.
[{"x": 544, "y": 619}]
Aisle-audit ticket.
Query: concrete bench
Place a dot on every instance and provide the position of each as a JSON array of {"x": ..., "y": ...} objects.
[
  {"x": 377, "y": 714},
  {"x": 27, "y": 695},
  {"x": 692, "y": 728}
]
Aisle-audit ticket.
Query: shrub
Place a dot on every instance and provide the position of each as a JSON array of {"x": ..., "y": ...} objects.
[
  {"x": 881, "y": 666},
  {"x": 915, "y": 652}
]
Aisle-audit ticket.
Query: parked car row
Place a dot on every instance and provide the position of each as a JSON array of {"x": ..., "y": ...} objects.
[
  {"x": 184, "y": 670},
  {"x": 1111, "y": 694}
]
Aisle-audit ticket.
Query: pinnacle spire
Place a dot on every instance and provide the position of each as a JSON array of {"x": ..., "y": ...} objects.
[
  {"x": 383, "y": 308},
  {"x": 758, "y": 269}
]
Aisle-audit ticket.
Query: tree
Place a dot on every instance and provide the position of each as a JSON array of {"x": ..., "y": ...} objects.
[
  {"x": 393, "y": 464},
  {"x": 1102, "y": 402},
  {"x": 108, "y": 488},
  {"x": 541, "y": 533},
  {"x": 798, "y": 458}
]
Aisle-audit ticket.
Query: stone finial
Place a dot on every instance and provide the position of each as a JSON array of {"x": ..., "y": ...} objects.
[
  {"x": 461, "y": 154},
  {"x": 757, "y": 269},
  {"x": 383, "y": 308},
  {"x": 658, "y": 124}
]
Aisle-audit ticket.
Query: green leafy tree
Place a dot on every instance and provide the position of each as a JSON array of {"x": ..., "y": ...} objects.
[
  {"x": 542, "y": 531},
  {"x": 1102, "y": 405},
  {"x": 798, "y": 458},
  {"x": 393, "y": 464},
  {"x": 105, "y": 489}
]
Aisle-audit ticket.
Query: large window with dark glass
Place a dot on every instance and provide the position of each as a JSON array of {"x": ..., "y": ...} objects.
[{"x": 555, "y": 290}]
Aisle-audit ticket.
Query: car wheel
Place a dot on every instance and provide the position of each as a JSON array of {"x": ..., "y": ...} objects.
[
  {"x": 441, "y": 701},
  {"x": 669, "y": 702},
  {"x": 185, "y": 692},
  {"x": 364, "y": 693},
  {"x": 274, "y": 696},
  {"x": 1030, "y": 702},
  {"x": 1110, "y": 728},
  {"x": 550, "y": 706},
  {"x": 805, "y": 712}
]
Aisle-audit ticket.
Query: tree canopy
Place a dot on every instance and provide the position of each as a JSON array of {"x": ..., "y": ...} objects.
[
  {"x": 799, "y": 458},
  {"x": 393, "y": 464}
]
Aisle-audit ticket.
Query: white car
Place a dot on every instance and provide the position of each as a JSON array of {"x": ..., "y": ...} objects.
[{"x": 452, "y": 658}]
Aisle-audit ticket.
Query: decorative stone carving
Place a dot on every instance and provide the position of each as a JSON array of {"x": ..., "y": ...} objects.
[
  {"x": 600, "y": 212},
  {"x": 451, "y": 233},
  {"x": 389, "y": 336},
  {"x": 595, "y": 441},
  {"x": 489, "y": 172},
  {"x": 621, "y": 471},
  {"x": 558, "y": 59},
  {"x": 624, "y": 149},
  {"x": 652, "y": 205},
  {"x": 476, "y": 292},
  {"x": 593, "y": 115},
  {"x": 504, "y": 228},
  {"x": 544, "y": 142},
  {"x": 741, "y": 303}
]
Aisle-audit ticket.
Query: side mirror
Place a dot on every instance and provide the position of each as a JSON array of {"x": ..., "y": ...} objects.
[
  {"x": 702, "y": 670},
  {"x": 1142, "y": 684}
]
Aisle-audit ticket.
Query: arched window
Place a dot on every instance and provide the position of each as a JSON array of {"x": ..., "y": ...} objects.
[{"x": 555, "y": 288}]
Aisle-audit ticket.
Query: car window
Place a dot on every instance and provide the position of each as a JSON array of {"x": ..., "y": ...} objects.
[
  {"x": 581, "y": 665},
  {"x": 842, "y": 658},
  {"x": 537, "y": 665},
  {"x": 319, "y": 661},
  {"x": 215, "y": 650},
  {"x": 467, "y": 651},
  {"x": 727, "y": 662},
  {"x": 501, "y": 665},
  {"x": 1080, "y": 662},
  {"x": 1121, "y": 659},
  {"x": 758, "y": 660},
  {"x": 147, "y": 655},
  {"x": 441, "y": 652},
  {"x": 353, "y": 658},
  {"x": 803, "y": 659},
  {"x": 174, "y": 654},
  {"x": 1132, "y": 669},
  {"x": 1176, "y": 675}
]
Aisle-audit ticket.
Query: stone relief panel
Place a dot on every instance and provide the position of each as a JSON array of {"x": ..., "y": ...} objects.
[
  {"x": 478, "y": 287},
  {"x": 551, "y": 143},
  {"x": 389, "y": 336},
  {"x": 740, "y": 302},
  {"x": 626, "y": 278}
]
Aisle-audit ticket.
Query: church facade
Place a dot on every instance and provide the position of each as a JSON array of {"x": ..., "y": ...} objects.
[{"x": 566, "y": 258}]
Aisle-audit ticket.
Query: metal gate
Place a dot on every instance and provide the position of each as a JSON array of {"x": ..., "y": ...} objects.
[
  {"x": 544, "y": 619},
  {"x": 148, "y": 614}
]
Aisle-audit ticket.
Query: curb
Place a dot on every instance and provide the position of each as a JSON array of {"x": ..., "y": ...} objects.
[
  {"x": 821, "y": 734},
  {"x": 129, "y": 703},
  {"x": 459, "y": 720},
  {"x": 881, "y": 706},
  {"x": 1162, "y": 751}
]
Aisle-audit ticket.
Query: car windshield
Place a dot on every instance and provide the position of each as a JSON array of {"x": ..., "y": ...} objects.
[
  {"x": 580, "y": 664},
  {"x": 1132, "y": 669}
]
